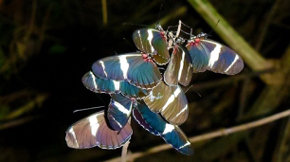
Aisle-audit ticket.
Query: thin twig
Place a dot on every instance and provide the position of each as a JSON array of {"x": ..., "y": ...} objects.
[
  {"x": 211, "y": 135},
  {"x": 124, "y": 151},
  {"x": 239, "y": 128},
  {"x": 16, "y": 122},
  {"x": 266, "y": 25},
  {"x": 31, "y": 25},
  {"x": 125, "y": 148},
  {"x": 282, "y": 142},
  {"x": 105, "y": 12},
  {"x": 37, "y": 101}
]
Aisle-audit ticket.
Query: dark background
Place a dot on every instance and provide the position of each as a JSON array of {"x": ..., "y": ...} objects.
[{"x": 47, "y": 45}]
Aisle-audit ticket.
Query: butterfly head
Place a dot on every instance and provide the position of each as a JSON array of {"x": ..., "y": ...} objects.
[
  {"x": 163, "y": 35},
  {"x": 159, "y": 27},
  {"x": 196, "y": 39},
  {"x": 146, "y": 57},
  {"x": 193, "y": 42}
]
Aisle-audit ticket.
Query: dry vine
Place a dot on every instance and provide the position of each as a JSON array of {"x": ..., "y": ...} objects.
[{"x": 206, "y": 136}]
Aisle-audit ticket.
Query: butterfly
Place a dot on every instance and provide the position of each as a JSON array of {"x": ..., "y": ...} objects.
[
  {"x": 156, "y": 125},
  {"x": 119, "y": 111},
  {"x": 94, "y": 131},
  {"x": 136, "y": 68},
  {"x": 136, "y": 87},
  {"x": 153, "y": 42},
  {"x": 179, "y": 69},
  {"x": 170, "y": 101},
  {"x": 210, "y": 55},
  {"x": 109, "y": 86}
]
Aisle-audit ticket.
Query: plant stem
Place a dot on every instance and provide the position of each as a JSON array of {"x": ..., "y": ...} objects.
[
  {"x": 105, "y": 12},
  {"x": 230, "y": 36},
  {"x": 124, "y": 151}
]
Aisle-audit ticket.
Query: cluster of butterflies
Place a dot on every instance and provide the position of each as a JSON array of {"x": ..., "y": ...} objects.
[{"x": 136, "y": 86}]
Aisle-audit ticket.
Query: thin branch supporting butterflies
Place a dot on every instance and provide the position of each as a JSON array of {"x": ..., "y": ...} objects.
[
  {"x": 210, "y": 135},
  {"x": 124, "y": 151}
]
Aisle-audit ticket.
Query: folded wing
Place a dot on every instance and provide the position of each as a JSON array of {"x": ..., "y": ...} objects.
[{"x": 93, "y": 131}]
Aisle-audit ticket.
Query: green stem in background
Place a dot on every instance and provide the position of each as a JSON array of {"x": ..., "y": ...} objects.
[
  {"x": 38, "y": 100},
  {"x": 283, "y": 138},
  {"x": 272, "y": 95},
  {"x": 142, "y": 12},
  {"x": 17, "y": 122},
  {"x": 31, "y": 25},
  {"x": 230, "y": 36},
  {"x": 177, "y": 13},
  {"x": 265, "y": 26},
  {"x": 105, "y": 12}
]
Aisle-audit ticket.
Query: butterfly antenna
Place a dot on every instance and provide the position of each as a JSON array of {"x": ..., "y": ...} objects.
[
  {"x": 172, "y": 26},
  {"x": 160, "y": 9},
  {"x": 199, "y": 94},
  {"x": 185, "y": 32},
  {"x": 190, "y": 34},
  {"x": 116, "y": 53},
  {"x": 90, "y": 108},
  {"x": 132, "y": 24},
  {"x": 129, "y": 42}
]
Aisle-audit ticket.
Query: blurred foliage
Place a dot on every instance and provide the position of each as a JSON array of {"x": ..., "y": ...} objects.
[{"x": 46, "y": 46}]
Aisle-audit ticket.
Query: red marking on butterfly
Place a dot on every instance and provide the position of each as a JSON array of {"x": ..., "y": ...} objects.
[
  {"x": 133, "y": 99},
  {"x": 194, "y": 42},
  {"x": 146, "y": 58},
  {"x": 175, "y": 50},
  {"x": 197, "y": 40},
  {"x": 163, "y": 36}
]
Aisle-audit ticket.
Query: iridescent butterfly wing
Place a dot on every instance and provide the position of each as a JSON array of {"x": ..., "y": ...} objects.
[
  {"x": 179, "y": 69},
  {"x": 99, "y": 85},
  {"x": 170, "y": 101},
  {"x": 172, "y": 134},
  {"x": 210, "y": 55},
  {"x": 93, "y": 131},
  {"x": 119, "y": 111},
  {"x": 153, "y": 42},
  {"x": 132, "y": 67}
]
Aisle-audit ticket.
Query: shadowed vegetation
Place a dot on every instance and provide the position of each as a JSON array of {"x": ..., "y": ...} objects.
[{"x": 46, "y": 46}]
